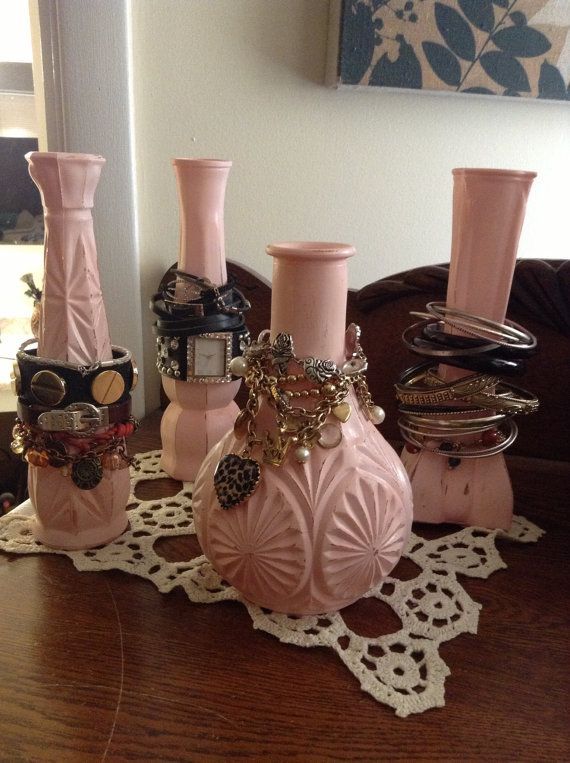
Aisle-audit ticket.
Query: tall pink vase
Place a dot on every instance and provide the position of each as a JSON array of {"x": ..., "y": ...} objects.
[
  {"x": 73, "y": 328},
  {"x": 313, "y": 537},
  {"x": 198, "y": 414},
  {"x": 488, "y": 213}
]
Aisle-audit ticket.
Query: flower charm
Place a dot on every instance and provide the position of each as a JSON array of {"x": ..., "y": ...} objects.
[
  {"x": 282, "y": 351},
  {"x": 319, "y": 370}
]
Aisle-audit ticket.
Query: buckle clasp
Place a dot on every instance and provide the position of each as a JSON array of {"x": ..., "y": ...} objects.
[{"x": 77, "y": 417}]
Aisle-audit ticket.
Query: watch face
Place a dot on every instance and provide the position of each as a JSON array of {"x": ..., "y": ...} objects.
[{"x": 210, "y": 356}]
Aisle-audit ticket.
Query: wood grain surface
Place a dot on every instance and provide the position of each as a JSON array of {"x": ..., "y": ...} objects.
[{"x": 101, "y": 666}]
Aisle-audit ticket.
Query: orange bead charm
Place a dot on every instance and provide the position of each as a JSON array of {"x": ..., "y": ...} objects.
[{"x": 37, "y": 458}]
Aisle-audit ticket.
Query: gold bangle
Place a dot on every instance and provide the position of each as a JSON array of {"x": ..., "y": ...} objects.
[{"x": 410, "y": 393}]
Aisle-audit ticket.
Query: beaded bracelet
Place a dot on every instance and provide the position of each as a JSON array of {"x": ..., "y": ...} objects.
[{"x": 81, "y": 459}]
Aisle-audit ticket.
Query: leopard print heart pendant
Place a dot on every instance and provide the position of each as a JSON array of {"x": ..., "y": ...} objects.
[{"x": 235, "y": 479}]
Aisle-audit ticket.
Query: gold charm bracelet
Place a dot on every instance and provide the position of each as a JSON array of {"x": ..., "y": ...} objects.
[{"x": 266, "y": 369}]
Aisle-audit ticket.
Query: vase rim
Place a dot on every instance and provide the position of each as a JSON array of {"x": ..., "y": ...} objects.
[
  {"x": 491, "y": 172},
  {"x": 181, "y": 160},
  {"x": 324, "y": 250},
  {"x": 62, "y": 156}
]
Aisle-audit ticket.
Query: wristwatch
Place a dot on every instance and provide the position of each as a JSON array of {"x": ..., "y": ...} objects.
[{"x": 197, "y": 339}]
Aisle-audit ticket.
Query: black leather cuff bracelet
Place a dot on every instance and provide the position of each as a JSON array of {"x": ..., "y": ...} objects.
[
  {"x": 57, "y": 383},
  {"x": 185, "y": 296},
  {"x": 207, "y": 324},
  {"x": 197, "y": 338}
]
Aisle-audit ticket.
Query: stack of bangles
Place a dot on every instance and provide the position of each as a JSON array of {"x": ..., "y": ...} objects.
[
  {"x": 470, "y": 417},
  {"x": 74, "y": 418}
]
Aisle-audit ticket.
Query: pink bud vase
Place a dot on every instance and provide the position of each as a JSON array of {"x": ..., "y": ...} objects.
[
  {"x": 488, "y": 214},
  {"x": 314, "y": 536},
  {"x": 73, "y": 328},
  {"x": 198, "y": 414}
]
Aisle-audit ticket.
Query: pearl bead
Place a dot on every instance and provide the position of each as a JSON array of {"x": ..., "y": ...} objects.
[
  {"x": 302, "y": 454},
  {"x": 376, "y": 414},
  {"x": 238, "y": 366}
]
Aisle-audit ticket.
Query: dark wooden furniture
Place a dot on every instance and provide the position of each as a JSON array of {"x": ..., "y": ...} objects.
[{"x": 98, "y": 666}]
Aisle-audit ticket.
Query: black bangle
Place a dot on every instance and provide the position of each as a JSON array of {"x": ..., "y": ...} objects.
[
  {"x": 58, "y": 384},
  {"x": 486, "y": 364}
]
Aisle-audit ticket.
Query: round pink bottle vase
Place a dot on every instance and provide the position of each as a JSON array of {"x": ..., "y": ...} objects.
[
  {"x": 198, "y": 414},
  {"x": 73, "y": 328},
  {"x": 314, "y": 536},
  {"x": 488, "y": 214}
]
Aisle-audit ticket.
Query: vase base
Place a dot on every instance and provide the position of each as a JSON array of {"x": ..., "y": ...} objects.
[{"x": 58, "y": 539}]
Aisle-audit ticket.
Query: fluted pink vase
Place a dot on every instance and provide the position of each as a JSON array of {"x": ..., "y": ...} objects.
[
  {"x": 488, "y": 213},
  {"x": 73, "y": 328},
  {"x": 198, "y": 414},
  {"x": 313, "y": 537}
]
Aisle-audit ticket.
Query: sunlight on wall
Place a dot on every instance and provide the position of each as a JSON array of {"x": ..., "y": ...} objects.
[{"x": 15, "y": 35}]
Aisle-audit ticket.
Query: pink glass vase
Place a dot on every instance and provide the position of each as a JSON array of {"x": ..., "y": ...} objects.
[
  {"x": 198, "y": 414},
  {"x": 73, "y": 328},
  {"x": 316, "y": 536},
  {"x": 488, "y": 213}
]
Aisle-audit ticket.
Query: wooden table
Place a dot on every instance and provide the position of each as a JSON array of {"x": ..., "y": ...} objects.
[{"x": 102, "y": 666}]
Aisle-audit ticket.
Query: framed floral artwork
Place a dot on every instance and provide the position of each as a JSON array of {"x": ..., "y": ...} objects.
[{"x": 515, "y": 48}]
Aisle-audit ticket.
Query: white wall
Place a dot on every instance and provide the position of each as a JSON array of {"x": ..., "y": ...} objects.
[{"x": 243, "y": 79}]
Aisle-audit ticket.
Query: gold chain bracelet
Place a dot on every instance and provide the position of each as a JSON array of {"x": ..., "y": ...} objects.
[{"x": 265, "y": 367}]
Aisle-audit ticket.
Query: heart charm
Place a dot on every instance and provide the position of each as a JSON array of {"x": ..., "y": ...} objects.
[
  {"x": 342, "y": 411},
  {"x": 235, "y": 479}
]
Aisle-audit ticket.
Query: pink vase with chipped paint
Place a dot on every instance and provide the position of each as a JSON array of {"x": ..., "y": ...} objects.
[
  {"x": 313, "y": 537},
  {"x": 488, "y": 213},
  {"x": 198, "y": 414},
  {"x": 73, "y": 328}
]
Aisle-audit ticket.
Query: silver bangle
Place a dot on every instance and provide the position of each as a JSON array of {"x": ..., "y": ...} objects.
[
  {"x": 508, "y": 333},
  {"x": 444, "y": 353}
]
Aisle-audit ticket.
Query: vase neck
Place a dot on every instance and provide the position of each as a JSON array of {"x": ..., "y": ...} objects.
[
  {"x": 488, "y": 213},
  {"x": 73, "y": 320},
  {"x": 201, "y": 187},
  {"x": 65, "y": 181},
  {"x": 309, "y": 297}
]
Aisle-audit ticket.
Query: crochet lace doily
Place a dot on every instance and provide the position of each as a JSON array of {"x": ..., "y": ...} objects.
[{"x": 403, "y": 669}]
